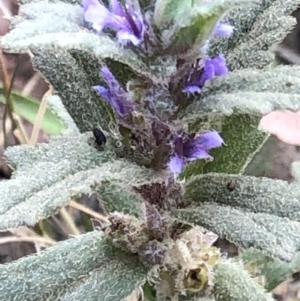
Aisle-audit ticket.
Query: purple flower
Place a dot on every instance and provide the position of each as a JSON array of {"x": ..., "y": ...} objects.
[
  {"x": 198, "y": 76},
  {"x": 127, "y": 20},
  {"x": 115, "y": 95},
  {"x": 189, "y": 149},
  {"x": 223, "y": 30}
]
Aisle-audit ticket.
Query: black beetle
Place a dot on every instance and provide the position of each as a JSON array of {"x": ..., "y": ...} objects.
[{"x": 100, "y": 138}]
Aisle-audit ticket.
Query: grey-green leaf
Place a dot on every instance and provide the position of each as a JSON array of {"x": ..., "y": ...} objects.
[
  {"x": 256, "y": 30},
  {"x": 101, "y": 46},
  {"x": 250, "y": 91},
  {"x": 77, "y": 269},
  {"x": 273, "y": 270},
  {"x": 49, "y": 176},
  {"x": 56, "y": 106},
  {"x": 258, "y": 195},
  {"x": 233, "y": 104},
  {"x": 74, "y": 88},
  {"x": 233, "y": 283},
  {"x": 279, "y": 237}
]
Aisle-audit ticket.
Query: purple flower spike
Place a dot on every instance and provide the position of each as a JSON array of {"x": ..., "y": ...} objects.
[
  {"x": 212, "y": 68},
  {"x": 127, "y": 20},
  {"x": 223, "y": 30},
  {"x": 115, "y": 95},
  {"x": 193, "y": 149}
]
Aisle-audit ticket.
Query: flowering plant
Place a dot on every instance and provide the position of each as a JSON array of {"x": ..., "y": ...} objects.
[{"x": 161, "y": 102}]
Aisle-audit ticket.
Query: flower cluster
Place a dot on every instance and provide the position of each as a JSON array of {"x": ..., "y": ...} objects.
[
  {"x": 129, "y": 25},
  {"x": 198, "y": 75},
  {"x": 127, "y": 21},
  {"x": 115, "y": 95},
  {"x": 190, "y": 148}
]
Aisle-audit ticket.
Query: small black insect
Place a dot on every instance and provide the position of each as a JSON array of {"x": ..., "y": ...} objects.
[
  {"x": 100, "y": 138},
  {"x": 231, "y": 186}
]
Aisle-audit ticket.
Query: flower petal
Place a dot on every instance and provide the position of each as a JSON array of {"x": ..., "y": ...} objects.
[
  {"x": 96, "y": 14},
  {"x": 109, "y": 97},
  {"x": 176, "y": 165},
  {"x": 219, "y": 63},
  {"x": 111, "y": 81},
  {"x": 103, "y": 92},
  {"x": 127, "y": 21},
  {"x": 117, "y": 8},
  {"x": 223, "y": 30},
  {"x": 208, "y": 140},
  {"x": 117, "y": 96},
  {"x": 197, "y": 148},
  {"x": 191, "y": 89},
  {"x": 213, "y": 68},
  {"x": 124, "y": 36},
  {"x": 198, "y": 153}
]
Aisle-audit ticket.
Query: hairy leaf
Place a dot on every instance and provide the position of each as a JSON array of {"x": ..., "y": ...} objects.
[
  {"x": 190, "y": 23},
  {"x": 273, "y": 270},
  {"x": 195, "y": 297},
  {"x": 56, "y": 106},
  {"x": 262, "y": 195},
  {"x": 256, "y": 30},
  {"x": 121, "y": 198},
  {"x": 250, "y": 91},
  {"x": 64, "y": 10},
  {"x": 86, "y": 267},
  {"x": 74, "y": 87},
  {"x": 244, "y": 95},
  {"x": 233, "y": 283},
  {"x": 102, "y": 47},
  {"x": 48, "y": 177},
  {"x": 242, "y": 18},
  {"x": 278, "y": 236},
  {"x": 241, "y": 143}
]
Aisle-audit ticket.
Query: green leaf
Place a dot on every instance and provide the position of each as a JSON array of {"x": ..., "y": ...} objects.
[
  {"x": 74, "y": 88},
  {"x": 233, "y": 104},
  {"x": 115, "y": 280},
  {"x": 50, "y": 175},
  {"x": 241, "y": 143},
  {"x": 248, "y": 93},
  {"x": 56, "y": 106},
  {"x": 258, "y": 92},
  {"x": 83, "y": 268},
  {"x": 256, "y": 30},
  {"x": 120, "y": 198},
  {"x": 279, "y": 237},
  {"x": 255, "y": 52},
  {"x": 273, "y": 270},
  {"x": 100, "y": 46},
  {"x": 233, "y": 283},
  {"x": 27, "y": 107},
  {"x": 190, "y": 23},
  {"x": 258, "y": 195},
  {"x": 165, "y": 12},
  {"x": 46, "y": 10}
]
